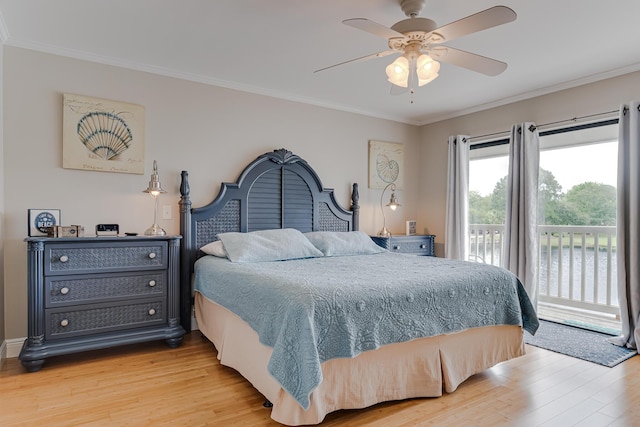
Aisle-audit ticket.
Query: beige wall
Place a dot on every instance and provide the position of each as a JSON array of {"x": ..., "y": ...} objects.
[
  {"x": 212, "y": 132},
  {"x": 594, "y": 98}
]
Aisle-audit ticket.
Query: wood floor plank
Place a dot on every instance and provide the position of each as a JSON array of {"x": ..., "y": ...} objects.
[{"x": 151, "y": 384}]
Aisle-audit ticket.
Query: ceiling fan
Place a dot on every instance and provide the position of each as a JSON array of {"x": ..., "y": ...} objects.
[{"x": 419, "y": 41}]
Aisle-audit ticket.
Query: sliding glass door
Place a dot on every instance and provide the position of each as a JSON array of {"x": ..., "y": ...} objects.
[{"x": 577, "y": 219}]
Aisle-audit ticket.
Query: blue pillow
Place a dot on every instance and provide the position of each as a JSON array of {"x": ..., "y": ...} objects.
[
  {"x": 267, "y": 245},
  {"x": 340, "y": 243}
]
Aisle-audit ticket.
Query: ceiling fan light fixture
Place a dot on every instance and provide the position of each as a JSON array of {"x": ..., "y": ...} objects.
[
  {"x": 398, "y": 71},
  {"x": 427, "y": 69}
]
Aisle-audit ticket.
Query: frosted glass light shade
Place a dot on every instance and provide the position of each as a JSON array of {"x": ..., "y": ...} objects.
[
  {"x": 427, "y": 69},
  {"x": 398, "y": 71}
]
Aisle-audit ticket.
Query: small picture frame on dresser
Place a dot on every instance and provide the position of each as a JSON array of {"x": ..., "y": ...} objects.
[
  {"x": 40, "y": 220},
  {"x": 411, "y": 228}
]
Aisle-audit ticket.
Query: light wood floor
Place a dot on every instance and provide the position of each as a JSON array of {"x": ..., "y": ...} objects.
[{"x": 153, "y": 385}]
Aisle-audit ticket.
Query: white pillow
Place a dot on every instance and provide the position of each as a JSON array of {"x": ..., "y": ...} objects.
[
  {"x": 337, "y": 243},
  {"x": 268, "y": 245},
  {"x": 215, "y": 248}
]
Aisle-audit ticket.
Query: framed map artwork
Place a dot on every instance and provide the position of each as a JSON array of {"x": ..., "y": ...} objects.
[{"x": 386, "y": 164}]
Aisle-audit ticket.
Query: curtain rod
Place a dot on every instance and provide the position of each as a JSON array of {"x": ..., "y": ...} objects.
[{"x": 532, "y": 128}]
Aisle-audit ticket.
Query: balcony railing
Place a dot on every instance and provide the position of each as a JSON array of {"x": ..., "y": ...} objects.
[{"x": 576, "y": 264}]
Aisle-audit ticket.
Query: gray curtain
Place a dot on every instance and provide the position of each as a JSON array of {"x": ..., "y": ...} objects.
[
  {"x": 628, "y": 225},
  {"x": 456, "y": 239},
  {"x": 520, "y": 247}
]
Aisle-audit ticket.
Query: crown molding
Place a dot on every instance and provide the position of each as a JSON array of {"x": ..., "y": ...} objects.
[{"x": 538, "y": 92}]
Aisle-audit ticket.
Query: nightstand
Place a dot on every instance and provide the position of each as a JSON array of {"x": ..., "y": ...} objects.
[
  {"x": 416, "y": 244},
  {"x": 87, "y": 293}
]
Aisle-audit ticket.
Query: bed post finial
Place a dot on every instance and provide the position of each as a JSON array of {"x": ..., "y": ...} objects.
[
  {"x": 355, "y": 207},
  {"x": 184, "y": 184}
]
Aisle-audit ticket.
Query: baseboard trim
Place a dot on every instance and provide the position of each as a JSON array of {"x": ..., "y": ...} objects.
[
  {"x": 3, "y": 353},
  {"x": 14, "y": 346},
  {"x": 10, "y": 348}
]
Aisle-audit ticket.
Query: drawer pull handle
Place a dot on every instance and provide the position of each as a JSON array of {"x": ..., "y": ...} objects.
[
  {"x": 152, "y": 311},
  {"x": 152, "y": 255},
  {"x": 423, "y": 246},
  {"x": 64, "y": 290},
  {"x": 396, "y": 247},
  {"x": 152, "y": 283},
  {"x": 64, "y": 258},
  {"x": 64, "y": 323}
]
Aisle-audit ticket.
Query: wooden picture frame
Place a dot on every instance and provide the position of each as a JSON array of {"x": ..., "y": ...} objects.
[{"x": 38, "y": 220}]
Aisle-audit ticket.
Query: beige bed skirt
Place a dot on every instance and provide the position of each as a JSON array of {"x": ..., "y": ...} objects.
[{"x": 422, "y": 367}]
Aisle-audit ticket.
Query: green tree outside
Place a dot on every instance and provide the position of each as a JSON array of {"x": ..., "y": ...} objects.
[{"x": 589, "y": 203}]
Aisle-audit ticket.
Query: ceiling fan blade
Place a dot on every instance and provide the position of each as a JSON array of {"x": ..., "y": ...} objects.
[
  {"x": 372, "y": 27},
  {"x": 362, "y": 58},
  {"x": 489, "y": 18},
  {"x": 470, "y": 61}
]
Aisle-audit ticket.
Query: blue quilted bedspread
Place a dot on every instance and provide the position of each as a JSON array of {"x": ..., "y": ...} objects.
[{"x": 313, "y": 310}]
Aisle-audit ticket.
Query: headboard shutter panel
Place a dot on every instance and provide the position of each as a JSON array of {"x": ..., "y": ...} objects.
[
  {"x": 264, "y": 202},
  {"x": 298, "y": 203},
  {"x": 280, "y": 198}
]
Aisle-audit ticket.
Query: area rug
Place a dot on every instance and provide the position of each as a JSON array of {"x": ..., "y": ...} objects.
[{"x": 580, "y": 343}]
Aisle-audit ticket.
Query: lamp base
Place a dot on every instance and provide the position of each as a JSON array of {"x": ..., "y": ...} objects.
[
  {"x": 384, "y": 232},
  {"x": 155, "y": 230}
]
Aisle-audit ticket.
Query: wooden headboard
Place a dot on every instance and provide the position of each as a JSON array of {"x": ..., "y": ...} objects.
[{"x": 277, "y": 190}]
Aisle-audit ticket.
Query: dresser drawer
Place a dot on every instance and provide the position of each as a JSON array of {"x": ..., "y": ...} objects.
[
  {"x": 98, "y": 318},
  {"x": 412, "y": 245},
  {"x": 79, "y": 289},
  {"x": 69, "y": 258},
  {"x": 416, "y": 244}
]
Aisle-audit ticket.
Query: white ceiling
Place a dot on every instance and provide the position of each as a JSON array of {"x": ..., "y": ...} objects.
[{"x": 272, "y": 47}]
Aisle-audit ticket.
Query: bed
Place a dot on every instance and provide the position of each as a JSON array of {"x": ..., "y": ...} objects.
[{"x": 316, "y": 316}]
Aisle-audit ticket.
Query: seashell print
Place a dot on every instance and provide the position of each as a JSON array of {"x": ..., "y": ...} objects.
[
  {"x": 388, "y": 170},
  {"x": 105, "y": 134}
]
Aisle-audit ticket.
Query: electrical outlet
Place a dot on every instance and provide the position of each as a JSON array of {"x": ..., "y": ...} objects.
[{"x": 166, "y": 212}]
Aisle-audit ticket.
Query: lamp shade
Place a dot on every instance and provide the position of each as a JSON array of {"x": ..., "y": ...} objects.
[
  {"x": 393, "y": 202},
  {"x": 398, "y": 71},
  {"x": 155, "y": 188},
  {"x": 427, "y": 69}
]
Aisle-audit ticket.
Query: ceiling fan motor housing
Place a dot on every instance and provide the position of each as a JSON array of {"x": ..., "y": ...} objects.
[
  {"x": 412, "y": 8},
  {"x": 410, "y": 25}
]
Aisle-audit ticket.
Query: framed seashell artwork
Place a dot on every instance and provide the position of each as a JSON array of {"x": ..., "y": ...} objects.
[
  {"x": 102, "y": 135},
  {"x": 386, "y": 164}
]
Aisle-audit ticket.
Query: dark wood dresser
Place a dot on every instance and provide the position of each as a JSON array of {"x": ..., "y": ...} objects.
[{"x": 87, "y": 293}]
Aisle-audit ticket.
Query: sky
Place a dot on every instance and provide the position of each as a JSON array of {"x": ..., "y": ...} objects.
[{"x": 570, "y": 166}]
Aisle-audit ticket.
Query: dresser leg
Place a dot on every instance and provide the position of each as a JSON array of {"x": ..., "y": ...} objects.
[
  {"x": 33, "y": 365},
  {"x": 174, "y": 342}
]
